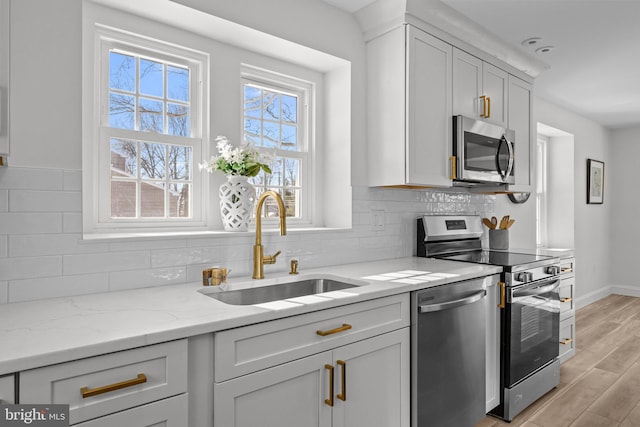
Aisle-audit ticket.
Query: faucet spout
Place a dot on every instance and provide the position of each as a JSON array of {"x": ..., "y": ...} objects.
[{"x": 258, "y": 251}]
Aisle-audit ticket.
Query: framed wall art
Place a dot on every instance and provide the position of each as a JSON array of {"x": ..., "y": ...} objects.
[{"x": 595, "y": 181}]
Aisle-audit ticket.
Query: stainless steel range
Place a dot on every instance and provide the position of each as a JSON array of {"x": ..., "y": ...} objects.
[{"x": 529, "y": 307}]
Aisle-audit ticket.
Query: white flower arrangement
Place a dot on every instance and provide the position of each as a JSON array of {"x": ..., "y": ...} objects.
[{"x": 245, "y": 160}]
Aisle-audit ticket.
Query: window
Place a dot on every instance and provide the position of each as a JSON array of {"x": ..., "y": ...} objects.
[
  {"x": 275, "y": 120},
  {"x": 541, "y": 191},
  {"x": 150, "y": 133}
]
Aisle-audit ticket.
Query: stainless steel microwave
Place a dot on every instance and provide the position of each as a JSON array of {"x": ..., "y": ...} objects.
[{"x": 484, "y": 152}]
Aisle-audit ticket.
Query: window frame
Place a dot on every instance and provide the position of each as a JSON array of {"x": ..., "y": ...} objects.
[
  {"x": 306, "y": 92},
  {"x": 541, "y": 190},
  {"x": 106, "y": 40}
]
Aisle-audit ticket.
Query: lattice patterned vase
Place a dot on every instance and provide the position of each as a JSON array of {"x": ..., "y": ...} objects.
[{"x": 237, "y": 197}]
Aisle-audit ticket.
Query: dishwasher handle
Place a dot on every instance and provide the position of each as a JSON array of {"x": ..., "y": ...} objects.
[{"x": 427, "y": 308}]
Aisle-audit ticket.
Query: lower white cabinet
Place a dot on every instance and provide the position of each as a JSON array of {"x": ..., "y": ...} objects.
[
  {"x": 493, "y": 347},
  {"x": 116, "y": 385},
  {"x": 567, "y": 343},
  {"x": 171, "y": 412},
  {"x": 7, "y": 389},
  {"x": 361, "y": 384}
]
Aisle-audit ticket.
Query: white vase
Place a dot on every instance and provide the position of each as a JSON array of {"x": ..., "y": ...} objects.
[{"x": 237, "y": 197}]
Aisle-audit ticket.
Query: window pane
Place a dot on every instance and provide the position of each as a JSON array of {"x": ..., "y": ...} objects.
[
  {"x": 270, "y": 135},
  {"x": 151, "y": 117},
  {"x": 152, "y": 160},
  {"x": 271, "y": 102},
  {"x": 179, "y": 162},
  {"x": 178, "y": 83},
  {"x": 252, "y": 130},
  {"x": 275, "y": 178},
  {"x": 289, "y": 138},
  {"x": 123, "y": 158},
  {"x": 291, "y": 172},
  {"x": 292, "y": 202},
  {"x": 252, "y": 103},
  {"x": 121, "y": 111},
  {"x": 151, "y": 78},
  {"x": 178, "y": 119},
  {"x": 152, "y": 199},
  {"x": 122, "y": 72},
  {"x": 179, "y": 196},
  {"x": 289, "y": 108},
  {"x": 123, "y": 199}
]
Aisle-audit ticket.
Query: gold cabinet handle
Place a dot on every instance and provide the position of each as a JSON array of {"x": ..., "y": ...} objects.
[
  {"x": 566, "y": 341},
  {"x": 503, "y": 295},
  {"x": 488, "y": 107},
  {"x": 329, "y": 401},
  {"x": 454, "y": 172},
  {"x": 88, "y": 392},
  {"x": 566, "y": 299},
  {"x": 484, "y": 106},
  {"x": 566, "y": 270},
  {"x": 344, "y": 327},
  {"x": 343, "y": 377}
]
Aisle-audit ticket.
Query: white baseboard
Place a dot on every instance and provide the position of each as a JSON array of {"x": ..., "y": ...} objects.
[{"x": 594, "y": 296}]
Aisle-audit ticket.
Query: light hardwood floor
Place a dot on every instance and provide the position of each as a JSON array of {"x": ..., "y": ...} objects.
[{"x": 600, "y": 385}]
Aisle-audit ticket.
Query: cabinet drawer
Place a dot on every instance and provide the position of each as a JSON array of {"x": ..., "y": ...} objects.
[
  {"x": 164, "y": 367},
  {"x": 567, "y": 307},
  {"x": 7, "y": 390},
  {"x": 172, "y": 412},
  {"x": 567, "y": 345},
  {"x": 251, "y": 348},
  {"x": 567, "y": 267}
]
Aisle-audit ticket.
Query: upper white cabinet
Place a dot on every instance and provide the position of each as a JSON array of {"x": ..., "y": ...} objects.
[
  {"x": 479, "y": 89},
  {"x": 409, "y": 81},
  {"x": 521, "y": 121}
]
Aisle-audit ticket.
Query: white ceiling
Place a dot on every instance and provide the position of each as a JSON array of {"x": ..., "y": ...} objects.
[{"x": 594, "y": 68}]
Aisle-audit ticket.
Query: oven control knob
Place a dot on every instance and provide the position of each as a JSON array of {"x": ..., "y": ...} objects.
[
  {"x": 524, "y": 277},
  {"x": 554, "y": 270}
]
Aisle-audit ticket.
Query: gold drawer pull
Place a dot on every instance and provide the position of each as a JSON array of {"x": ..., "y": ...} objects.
[
  {"x": 87, "y": 392},
  {"x": 566, "y": 270},
  {"x": 343, "y": 396},
  {"x": 503, "y": 295},
  {"x": 566, "y": 299},
  {"x": 329, "y": 401},
  {"x": 566, "y": 341},
  {"x": 344, "y": 327}
]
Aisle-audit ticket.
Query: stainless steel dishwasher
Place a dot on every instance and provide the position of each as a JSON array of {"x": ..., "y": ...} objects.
[{"x": 448, "y": 354}]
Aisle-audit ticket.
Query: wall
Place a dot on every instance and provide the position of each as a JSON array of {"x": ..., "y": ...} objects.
[
  {"x": 593, "y": 241},
  {"x": 42, "y": 254},
  {"x": 622, "y": 192}
]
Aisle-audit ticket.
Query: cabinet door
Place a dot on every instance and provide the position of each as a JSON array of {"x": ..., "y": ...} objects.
[
  {"x": 521, "y": 121},
  {"x": 467, "y": 84},
  {"x": 428, "y": 109},
  {"x": 495, "y": 86},
  {"x": 7, "y": 390},
  {"x": 493, "y": 347},
  {"x": 288, "y": 395},
  {"x": 372, "y": 382}
]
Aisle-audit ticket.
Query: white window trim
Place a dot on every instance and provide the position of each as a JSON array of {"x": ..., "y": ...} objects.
[
  {"x": 96, "y": 189},
  {"x": 542, "y": 189},
  {"x": 306, "y": 119}
]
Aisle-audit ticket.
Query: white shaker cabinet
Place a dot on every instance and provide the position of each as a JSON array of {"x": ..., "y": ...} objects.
[
  {"x": 521, "y": 121},
  {"x": 409, "y": 83},
  {"x": 342, "y": 367},
  {"x": 567, "y": 344},
  {"x": 7, "y": 389},
  {"x": 479, "y": 89},
  {"x": 492, "y": 301}
]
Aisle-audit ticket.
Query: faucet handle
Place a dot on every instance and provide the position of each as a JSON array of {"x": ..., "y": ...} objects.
[{"x": 271, "y": 259}]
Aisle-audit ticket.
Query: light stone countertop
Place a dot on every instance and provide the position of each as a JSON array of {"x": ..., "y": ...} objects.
[{"x": 40, "y": 333}]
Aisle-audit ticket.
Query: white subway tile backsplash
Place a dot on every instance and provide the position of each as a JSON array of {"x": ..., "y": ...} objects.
[
  {"x": 30, "y": 267},
  {"x": 123, "y": 280},
  {"x": 44, "y": 201},
  {"x": 54, "y": 287},
  {"x": 42, "y": 254},
  {"x": 30, "y": 223},
  {"x": 105, "y": 262}
]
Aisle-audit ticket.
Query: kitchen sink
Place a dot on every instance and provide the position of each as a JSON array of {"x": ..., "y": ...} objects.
[{"x": 262, "y": 294}]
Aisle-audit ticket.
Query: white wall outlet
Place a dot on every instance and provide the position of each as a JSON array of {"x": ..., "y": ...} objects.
[{"x": 377, "y": 220}]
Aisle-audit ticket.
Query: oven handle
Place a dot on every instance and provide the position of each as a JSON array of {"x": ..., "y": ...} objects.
[
  {"x": 537, "y": 290},
  {"x": 427, "y": 308}
]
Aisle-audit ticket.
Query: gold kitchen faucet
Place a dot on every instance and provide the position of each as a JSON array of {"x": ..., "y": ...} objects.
[{"x": 259, "y": 259}]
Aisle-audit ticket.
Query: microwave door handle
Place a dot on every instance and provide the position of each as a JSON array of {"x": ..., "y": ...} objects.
[
  {"x": 511, "y": 157},
  {"x": 498, "y": 168}
]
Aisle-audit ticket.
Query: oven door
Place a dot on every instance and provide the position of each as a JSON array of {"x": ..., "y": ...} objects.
[{"x": 531, "y": 328}]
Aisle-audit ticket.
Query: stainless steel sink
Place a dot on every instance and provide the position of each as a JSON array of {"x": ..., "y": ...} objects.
[{"x": 261, "y": 294}]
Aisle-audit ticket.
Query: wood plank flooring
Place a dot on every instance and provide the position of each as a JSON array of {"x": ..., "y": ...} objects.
[{"x": 600, "y": 385}]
